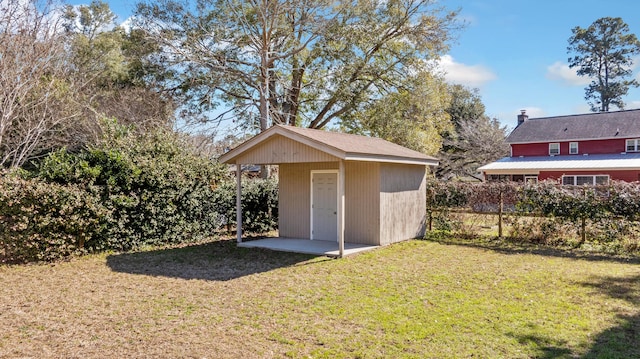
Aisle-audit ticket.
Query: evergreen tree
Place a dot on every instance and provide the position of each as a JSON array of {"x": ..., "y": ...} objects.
[{"x": 604, "y": 52}]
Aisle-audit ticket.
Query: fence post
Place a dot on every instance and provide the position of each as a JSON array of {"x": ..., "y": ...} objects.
[
  {"x": 500, "y": 208},
  {"x": 583, "y": 235}
]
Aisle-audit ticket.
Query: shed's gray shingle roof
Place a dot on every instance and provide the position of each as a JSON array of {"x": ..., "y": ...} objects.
[
  {"x": 342, "y": 145},
  {"x": 356, "y": 144},
  {"x": 605, "y": 125}
]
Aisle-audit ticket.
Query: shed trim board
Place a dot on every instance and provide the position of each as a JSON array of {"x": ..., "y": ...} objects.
[
  {"x": 341, "y": 204},
  {"x": 377, "y": 158}
]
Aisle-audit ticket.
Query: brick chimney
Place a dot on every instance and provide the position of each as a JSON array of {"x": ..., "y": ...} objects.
[{"x": 522, "y": 117}]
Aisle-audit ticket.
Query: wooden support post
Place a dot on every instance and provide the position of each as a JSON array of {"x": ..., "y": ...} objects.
[
  {"x": 239, "y": 201},
  {"x": 341, "y": 190}
]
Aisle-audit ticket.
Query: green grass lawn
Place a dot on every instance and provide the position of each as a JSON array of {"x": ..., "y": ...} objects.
[{"x": 417, "y": 299}]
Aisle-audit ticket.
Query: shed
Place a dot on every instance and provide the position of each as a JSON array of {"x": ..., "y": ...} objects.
[{"x": 339, "y": 188}]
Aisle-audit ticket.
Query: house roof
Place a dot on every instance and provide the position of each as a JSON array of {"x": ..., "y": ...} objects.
[
  {"x": 341, "y": 145},
  {"x": 558, "y": 163},
  {"x": 604, "y": 125}
]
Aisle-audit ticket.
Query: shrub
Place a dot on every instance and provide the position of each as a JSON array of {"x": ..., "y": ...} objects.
[
  {"x": 489, "y": 196},
  {"x": 446, "y": 195},
  {"x": 44, "y": 221},
  {"x": 155, "y": 189},
  {"x": 131, "y": 190},
  {"x": 624, "y": 200},
  {"x": 604, "y": 217},
  {"x": 259, "y": 204}
]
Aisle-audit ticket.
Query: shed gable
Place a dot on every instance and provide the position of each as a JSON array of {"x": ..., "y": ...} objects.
[{"x": 280, "y": 149}]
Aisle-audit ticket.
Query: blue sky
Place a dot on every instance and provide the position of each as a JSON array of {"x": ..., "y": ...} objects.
[{"x": 515, "y": 52}]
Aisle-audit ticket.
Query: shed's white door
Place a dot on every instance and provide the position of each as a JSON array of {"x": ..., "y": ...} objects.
[{"x": 324, "y": 206}]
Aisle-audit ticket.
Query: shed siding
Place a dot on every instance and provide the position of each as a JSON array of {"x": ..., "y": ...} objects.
[
  {"x": 362, "y": 202},
  {"x": 402, "y": 202},
  {"x": 294, "y": 196},
  {"x": 279, "y": 149}
]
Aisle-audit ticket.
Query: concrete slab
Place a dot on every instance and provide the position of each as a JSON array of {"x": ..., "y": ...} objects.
[{"x": 317, "y": 247}]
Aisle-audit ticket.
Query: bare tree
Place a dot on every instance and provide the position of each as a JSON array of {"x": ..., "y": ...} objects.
[
  {"x": 475, "y": 140},
  {"x": 35, "y": 106},
  {"x": 109, "y": 71}
]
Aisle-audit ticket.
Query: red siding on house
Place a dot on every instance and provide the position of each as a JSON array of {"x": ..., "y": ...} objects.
[
  {"x": 627, "y": 176},
  {"x": 604, "y": 139},
  {"x": 591, "y": 147},
  {"x": 601, "y": 146},
  {"x": 530, "y": 149}
]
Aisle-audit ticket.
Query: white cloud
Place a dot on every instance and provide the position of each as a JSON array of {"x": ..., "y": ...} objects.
[
  {"x": 632, "y": 105},
  {"x": 468, "y": 75},
  {"x": 128, "y": 24},
  {"x": 635, "y": 62},
  {"x": 562, "y": 72}
]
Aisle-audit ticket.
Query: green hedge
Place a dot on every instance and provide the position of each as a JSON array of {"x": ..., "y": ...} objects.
[
  {"x": 620, "y": 199},
  {"x": 131, "y": 191},
  {"x": 259, "y": 204},
  {"x": 45, "y": 221},
  {"x": 153, "y": 189},
  {"x": 605, "y": 216}
]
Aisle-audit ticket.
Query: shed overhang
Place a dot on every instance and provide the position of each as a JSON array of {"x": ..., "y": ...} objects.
[{"x": 310, "y": 143}]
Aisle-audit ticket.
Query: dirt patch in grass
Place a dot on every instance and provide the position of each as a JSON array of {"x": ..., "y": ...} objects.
[{"x": 415, "y": 299}]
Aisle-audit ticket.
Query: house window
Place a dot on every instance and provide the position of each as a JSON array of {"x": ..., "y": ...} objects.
[
  {"x": 585, "y": 180},
  {"x": 633, "y": 145},
  {"x": 602, "y": 180},
  {"x": 515, "y": 178},
  {"x": 498, "y": 178},
  {"x": 554, "y": 149},
  {"x": 573, "y": 148}
]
